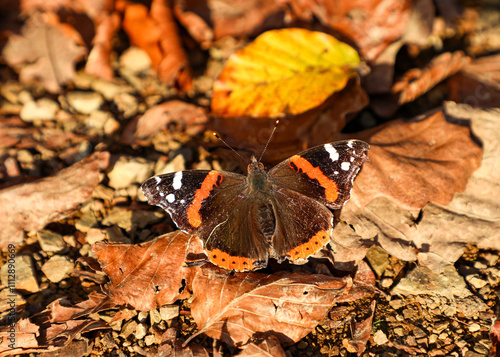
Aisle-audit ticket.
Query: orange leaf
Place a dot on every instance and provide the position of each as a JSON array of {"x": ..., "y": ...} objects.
[
  {"x": 155, "y": 31},
  {"x": 287, "y": 71},
  {"x": 150, "y": 274},
  {"x": 236, "y": 307}
]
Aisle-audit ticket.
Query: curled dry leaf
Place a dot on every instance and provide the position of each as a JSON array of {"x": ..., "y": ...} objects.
[
  {"x": 412, "y": 163},
  {"x": 287, "y": 71},
  {"x": 240, "y": 306},
  {"x": 55, "y": 327},
  {"x": 417, "y": 32},
  {"x": 99, "y": 59},
  {"x": 360, "y": 332},
  {"x": 151, "y": 274},
  {"x": 171, "y": 346},
  {"x": 417, "y": 82},
  {"x": 31, "y": 206},
  {"x": 269, "y": 347},
  {"x": 61, "y": 310},
  {"x": 43, "y": 51},
  {"x": 142, "y": 129},
  {"x": 155, "y": 31},
  {"x": 470, "y": 218}
]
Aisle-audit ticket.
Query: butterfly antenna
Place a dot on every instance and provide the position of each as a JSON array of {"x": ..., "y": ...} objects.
[
  {"x": 269, "y": 140},
  {"x": 236, "y": 152}
]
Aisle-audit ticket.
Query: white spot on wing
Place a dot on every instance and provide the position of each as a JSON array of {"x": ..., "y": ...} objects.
[
  {"x": 345, "y": 166},
  {"x": 162, "y": 194},
  {"x": 334, "y": 155},
  {"x": 157, "y": 179},
  {"x": 349, "y": 143},
  {"x": 171, "y": 198},
  {"x": 177, "y": 180}
]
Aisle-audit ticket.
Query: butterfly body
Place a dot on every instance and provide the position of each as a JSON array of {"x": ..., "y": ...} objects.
[{"x": 283, "y": 213}]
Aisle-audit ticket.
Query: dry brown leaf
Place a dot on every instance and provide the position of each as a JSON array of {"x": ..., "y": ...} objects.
[
  {"x": 417, "y": 82},
  {"x": 31, "y": 206},
  {"x": 364, "y": 282},
  {"x": 417, "y": 32},
  {"x": 99, "y": 34},
  {"x": 99, "y": 59},
  {"x": 142, "y": 129},
  {"x": 269, "y": 347},
  {"x": 55, "y": 327},
  {"x": 412, "y": 163},
  {"x": 43, "y": 52},
  {"x": 215, "y": 19},
  {"x": 472, "y": 217},
  {"x": 240, "y": 306},
  {"x": 151, "y": 274},
  {"x": 155, "y": 31},
  {"x": 61, "y": 310},
  {"x": 361, "y": 331},
  {"x": 478, "y": 84},
  {"x": 16, "y": 133},
  {"x": 194, "y": 23},
  {"x": 372, "y": 24},
  {"x": 171, "y": 346}
]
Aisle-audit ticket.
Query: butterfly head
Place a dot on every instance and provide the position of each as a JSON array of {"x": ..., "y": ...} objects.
[
  {"x": 257, "y": 176},
  {"x": 255, "y": 166}
]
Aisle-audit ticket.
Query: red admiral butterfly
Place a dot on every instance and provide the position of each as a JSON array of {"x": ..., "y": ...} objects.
[{"x": 283, "y": 214}]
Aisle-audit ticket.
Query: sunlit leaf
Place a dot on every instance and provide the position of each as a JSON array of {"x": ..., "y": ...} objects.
[{"x": 284, "y": 71}]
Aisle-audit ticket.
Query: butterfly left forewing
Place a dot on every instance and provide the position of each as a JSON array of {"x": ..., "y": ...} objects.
[{"x": 185, "y": 195}]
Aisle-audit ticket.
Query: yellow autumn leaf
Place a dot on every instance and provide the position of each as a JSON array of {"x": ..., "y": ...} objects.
[{"x": 286, "y": 71}]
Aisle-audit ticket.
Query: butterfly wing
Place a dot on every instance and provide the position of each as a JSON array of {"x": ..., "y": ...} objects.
[
  {"x": 303, "y": 225},
  {"x": 324, "y": 173},
  {"x": 305, "y": 186},
  {"x": 233, "y": 238},
  {"x": 214, "y": 206}
]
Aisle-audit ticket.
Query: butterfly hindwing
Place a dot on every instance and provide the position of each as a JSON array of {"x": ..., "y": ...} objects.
[{"x": 302, "y": 231}]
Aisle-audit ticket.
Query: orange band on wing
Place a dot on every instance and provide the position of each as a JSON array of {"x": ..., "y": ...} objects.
[
  {"x": 317, "y": 242},
  {"x": 315, "y": 173},
  {"x": 226, "y": 261},
  {"x": 203, "y": 192}
]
